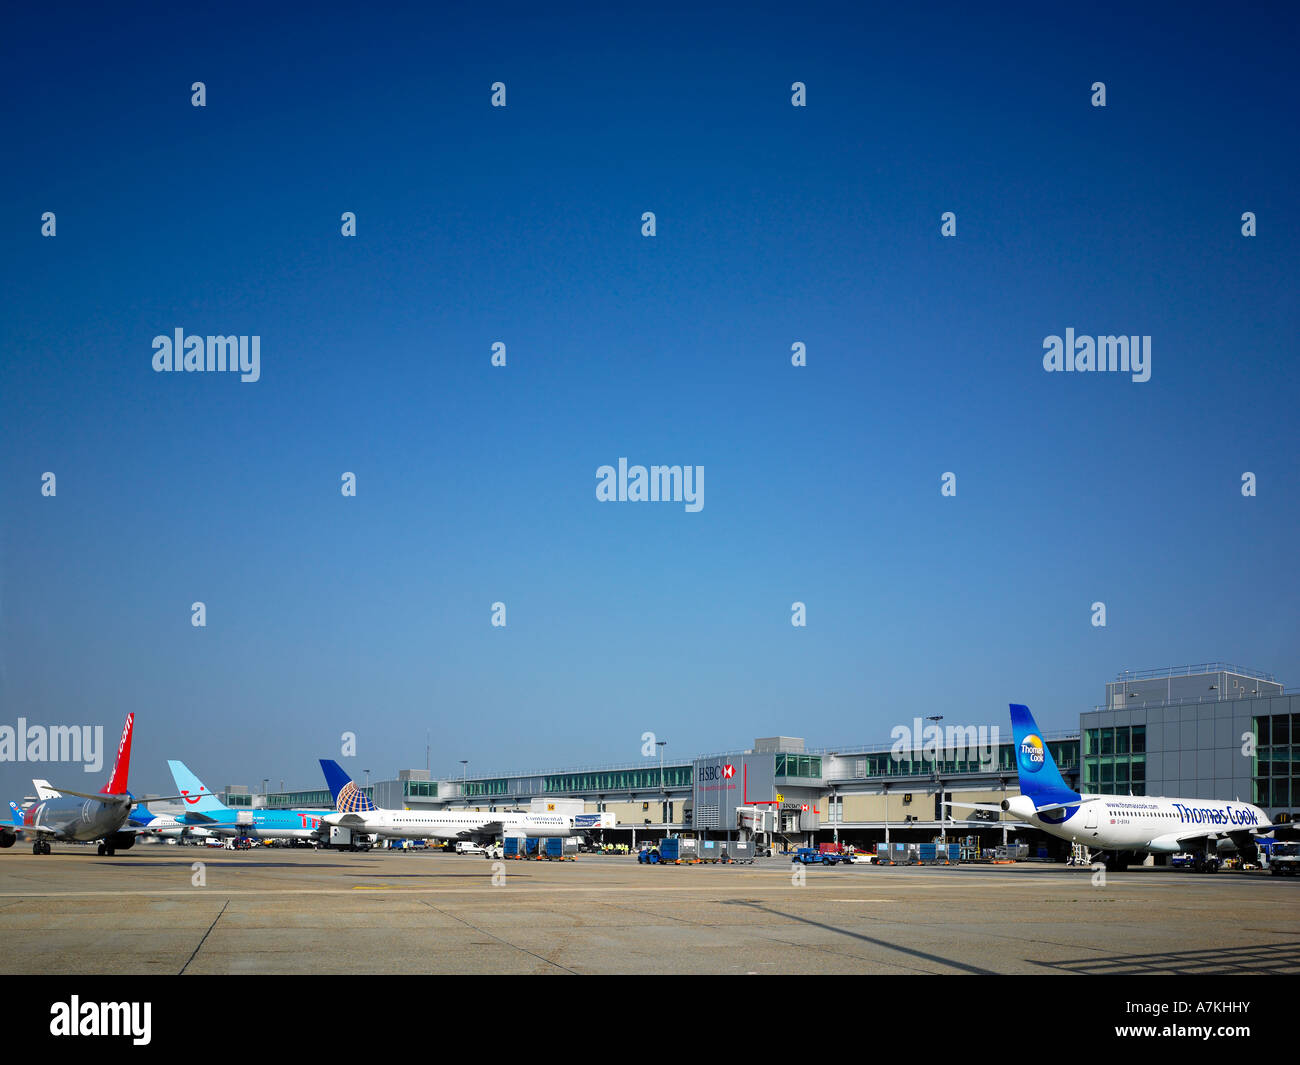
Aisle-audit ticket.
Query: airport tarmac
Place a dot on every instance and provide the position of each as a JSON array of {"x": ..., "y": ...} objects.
[{"x": 295, "y": 911}]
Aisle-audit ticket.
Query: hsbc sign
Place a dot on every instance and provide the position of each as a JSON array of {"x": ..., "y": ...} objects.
[
  {"x": 726, "y": 780},
  {"x": 714, "y": 773}
]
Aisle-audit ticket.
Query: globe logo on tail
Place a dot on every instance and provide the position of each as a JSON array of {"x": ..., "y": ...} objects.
[
  {"x": 353, "y": 800},
  {"x": 1031, "y": 753}
]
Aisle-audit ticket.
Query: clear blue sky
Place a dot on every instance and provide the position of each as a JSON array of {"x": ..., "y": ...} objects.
[{"x": 475, "y": 484}]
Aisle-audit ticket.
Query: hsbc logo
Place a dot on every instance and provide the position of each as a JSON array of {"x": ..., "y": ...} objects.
[{"x": 718, "y": 772}]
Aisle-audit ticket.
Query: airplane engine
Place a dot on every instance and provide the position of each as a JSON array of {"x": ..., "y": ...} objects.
[
  {"x": 121, "y": 841},
  {"x": 545, "y": 831},
  {"x": 1021, "y": 806},
  {"x": 8, "y": 839}
]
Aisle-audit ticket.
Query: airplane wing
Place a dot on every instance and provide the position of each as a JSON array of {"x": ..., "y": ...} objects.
[
  {"x": 1288, "y": 831},
  {"x": 1037, "y": 809},
  {"x": 124, "y": 797},
  {"x": 34, "y": 830},
  {"x": 1212, "y": 832},
  {"x": 213, "y": 824}
]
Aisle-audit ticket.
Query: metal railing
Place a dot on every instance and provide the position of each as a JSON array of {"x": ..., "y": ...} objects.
[
  {"x": 1193, "y": 670},
  {"x": 858, "y": 749},
  {"x": 1200, "y": 699}
]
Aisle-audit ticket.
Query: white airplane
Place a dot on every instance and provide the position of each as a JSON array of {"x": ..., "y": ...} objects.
[
  {"x": 1122, "y": 827},
  {"x": 354, "y": 810}
]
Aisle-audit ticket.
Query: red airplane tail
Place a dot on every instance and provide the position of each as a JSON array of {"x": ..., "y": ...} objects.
[{"x": 121, "y": 766}]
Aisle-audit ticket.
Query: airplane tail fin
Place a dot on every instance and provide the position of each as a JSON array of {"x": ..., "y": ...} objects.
[
  {"x": 196, "y": 796},
  {"x": 122, "y": 764},
  {"x": 1039, "y": 777},
  {"x": 17, "y": 812},
  {"x": 45, "y": 790},
  {"x": 348, "y": 798}
]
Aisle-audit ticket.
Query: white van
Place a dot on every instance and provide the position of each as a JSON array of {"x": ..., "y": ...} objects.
[{"x": 464, "y": 846}]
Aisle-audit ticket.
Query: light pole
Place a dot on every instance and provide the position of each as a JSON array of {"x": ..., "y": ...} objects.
[
  {"x": 938, "y": 786},
  {"x": 1000, "y": 817},
  {"x": 663, "y": 797},
  {"x": 885, "y": 789},
  {"x": 464, "y": 781}
]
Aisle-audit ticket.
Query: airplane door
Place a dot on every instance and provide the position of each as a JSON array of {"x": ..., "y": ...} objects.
[{"x": 1090, "y": 815}]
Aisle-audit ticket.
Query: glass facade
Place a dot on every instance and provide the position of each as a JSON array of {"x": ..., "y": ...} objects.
[
  {"x": 1277, "y": 754},
  {"x": 674, "y": 776},
  {"x": 806, "y": 766},
  {"x": 1114, "y": 760},
  {"x": 303, "y": 799},
  {"x": 884, "y": 764}
]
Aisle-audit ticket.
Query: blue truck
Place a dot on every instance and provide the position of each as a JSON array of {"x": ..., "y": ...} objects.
[{"x": 811, "y": 856}]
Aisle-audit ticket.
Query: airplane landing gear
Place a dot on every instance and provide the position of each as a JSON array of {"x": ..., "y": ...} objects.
[
  {"x": 105, "y": 851},
  {"x": 40, "y": 847}
]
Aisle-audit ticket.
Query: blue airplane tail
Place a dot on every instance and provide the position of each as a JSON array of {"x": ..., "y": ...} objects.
[
  {"x": 197, "y": 798},
  {"x": 1039, "y": 777},
  {"x": 348, "y": 798},
  {"x": 17, "y": 812}
]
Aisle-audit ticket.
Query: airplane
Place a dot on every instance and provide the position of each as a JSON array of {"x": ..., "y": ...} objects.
[
  {"x": 1122, "y": 827},
  {"x": 161, "y": 825},
  {"x": 103, "y": 816},
  {"x": 208, "y": 813},
  {"x": 354, "y": 810}
]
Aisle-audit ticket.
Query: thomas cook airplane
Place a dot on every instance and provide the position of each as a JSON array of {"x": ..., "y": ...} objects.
[{"x": 1123, "y": 827}]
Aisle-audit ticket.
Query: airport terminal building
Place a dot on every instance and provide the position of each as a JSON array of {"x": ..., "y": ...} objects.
[{"x": 1211, "y": 730}]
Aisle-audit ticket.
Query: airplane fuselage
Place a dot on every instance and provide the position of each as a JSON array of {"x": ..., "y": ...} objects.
[
  {"x": 430, "y": 824},
  {"x": 260, "y": 823},
  {"x": 1144, "y": 823},
  {"x": 71, "y": 819}
]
